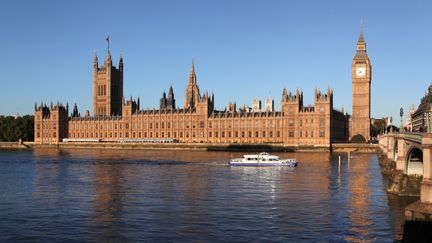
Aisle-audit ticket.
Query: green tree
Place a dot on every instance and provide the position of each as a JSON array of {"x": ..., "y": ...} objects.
[
  {"x": 12, "y": 129},
  {"x": 358, "y": 139}
]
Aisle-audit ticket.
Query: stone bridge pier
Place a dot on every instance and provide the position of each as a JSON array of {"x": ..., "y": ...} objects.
[{"x": 422, "y": 209}]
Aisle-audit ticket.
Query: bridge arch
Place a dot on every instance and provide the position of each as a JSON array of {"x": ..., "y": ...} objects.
[{"x": 414, "y": 161}]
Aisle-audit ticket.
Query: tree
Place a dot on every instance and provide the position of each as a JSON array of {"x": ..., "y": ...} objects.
[
  {"x": 12, "y": 129},
  {"x": 358, "y": 138}
]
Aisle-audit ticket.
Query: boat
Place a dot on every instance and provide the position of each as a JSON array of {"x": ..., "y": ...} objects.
[{"x": 262, "y": 159}]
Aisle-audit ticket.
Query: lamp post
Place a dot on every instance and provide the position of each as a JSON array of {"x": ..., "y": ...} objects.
[{"x": 401, "y": 123}]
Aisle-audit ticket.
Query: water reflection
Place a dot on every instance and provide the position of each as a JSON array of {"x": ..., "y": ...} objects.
[
  {"x": 108, "y": 198},
  {"x": 359, "y": 198},
  {"x": 131, "y": 195}
]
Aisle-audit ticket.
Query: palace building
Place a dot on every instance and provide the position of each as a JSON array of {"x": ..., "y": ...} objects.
[{"x": 116, "y": 119}]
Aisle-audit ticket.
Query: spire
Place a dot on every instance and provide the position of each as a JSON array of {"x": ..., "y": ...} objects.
[
  {"x": 108, "y": 58},
  {"x": 361, "y": 43},
  {"x": 171, "y": 92},
  {"x": 121, "y": 63},
  {"x": 192, "y": 75},
  {"x": 107, "y": 40},
  {"x": 361, "y": 38}
]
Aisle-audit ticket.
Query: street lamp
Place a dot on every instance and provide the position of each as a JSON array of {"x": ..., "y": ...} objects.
[{"x": 401, "y": 124}]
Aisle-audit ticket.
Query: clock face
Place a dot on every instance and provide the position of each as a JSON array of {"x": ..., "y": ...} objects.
[{"x": 360, "y": 72}]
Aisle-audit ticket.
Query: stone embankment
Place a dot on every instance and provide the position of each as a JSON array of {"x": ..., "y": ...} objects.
[
  {"x": 399, "y": 183},
  {"x": 16, "y": 145},
  {"x": 362, "y": 148}
]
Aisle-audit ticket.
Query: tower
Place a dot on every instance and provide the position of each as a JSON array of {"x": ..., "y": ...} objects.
[
  {"x": 361, "y": 72},
  {"x": 192, "y": 90},
  {"x": 107, "y": 87},
  {"x": 171, "y": 99}
]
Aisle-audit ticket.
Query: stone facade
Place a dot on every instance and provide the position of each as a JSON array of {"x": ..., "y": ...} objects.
[
  {"x": 198, "y": 121},
  {"x": 107, "y": 87},
  {"x": 420, "y": 118},
  {"x": 361, "y": 73}
]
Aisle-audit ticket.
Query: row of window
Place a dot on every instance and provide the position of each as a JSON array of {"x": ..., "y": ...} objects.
[
  {"x": 102, "y": 90},
  {"x": 236, "y": 134},
  {"x": 168, "y": 134}
]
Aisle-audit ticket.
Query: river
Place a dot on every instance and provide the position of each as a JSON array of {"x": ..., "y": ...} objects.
[{"x": 159, "y": 196}]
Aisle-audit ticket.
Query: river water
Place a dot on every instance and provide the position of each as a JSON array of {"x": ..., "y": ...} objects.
[{"x": 159, "y": 196}]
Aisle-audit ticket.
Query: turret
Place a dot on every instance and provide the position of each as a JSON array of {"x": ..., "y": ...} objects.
[
  {"x": 95, "y": 62},
  {"x": 121, "y": 63}
]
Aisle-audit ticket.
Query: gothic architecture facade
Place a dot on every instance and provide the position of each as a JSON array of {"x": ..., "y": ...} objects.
[
  {"x": 361, "y": 73},
  {"x": 116, "y": 119}
]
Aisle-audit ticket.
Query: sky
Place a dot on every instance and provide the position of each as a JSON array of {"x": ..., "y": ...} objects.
[{"x": 242, "y": 50}]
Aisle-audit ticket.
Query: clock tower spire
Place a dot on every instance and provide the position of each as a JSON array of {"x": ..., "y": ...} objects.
[{"x": 361, "y": 72}]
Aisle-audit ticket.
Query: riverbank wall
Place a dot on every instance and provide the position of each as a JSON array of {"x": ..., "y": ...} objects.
[
  {"x": 400, "y": 183},
  {"x": 16, "y": 145},
  {"x": 339, "y": 147}
]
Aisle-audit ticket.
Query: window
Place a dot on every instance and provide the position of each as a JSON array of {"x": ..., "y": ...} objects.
[
  {"x": 263, "y": 134},
  {"x": 322, "y": 122},
  {"x": 291, "y": 123},
  {"x": 210, "y": 134},
  {"x": 322, "y": 134},
  {"x": 291, "y": 134}
]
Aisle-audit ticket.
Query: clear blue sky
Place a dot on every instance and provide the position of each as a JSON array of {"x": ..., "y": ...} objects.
[{"x": 242, "y": 49}]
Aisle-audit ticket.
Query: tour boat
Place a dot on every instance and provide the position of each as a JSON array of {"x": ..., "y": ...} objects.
[{"x": 262, "y": 159}]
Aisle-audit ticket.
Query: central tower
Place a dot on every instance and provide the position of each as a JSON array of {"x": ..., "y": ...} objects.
[
  {"x": 192, "y": 90},
  {"x": 107, "y": 87},
  {"x": 361, "y": 72}
]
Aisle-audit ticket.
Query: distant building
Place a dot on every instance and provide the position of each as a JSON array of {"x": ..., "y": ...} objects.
[
  {"x": 245, "y": 109},
  {"x": 420, "y": 118},
  {"x": 232, "y": 107},
  {"x": 269, "y": 105},
  {"x": 256, "y": 105},
  {"x": 408, "y": 121}
]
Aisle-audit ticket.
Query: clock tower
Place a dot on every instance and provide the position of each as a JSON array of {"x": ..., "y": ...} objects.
[{"x": 361, "y": 72}]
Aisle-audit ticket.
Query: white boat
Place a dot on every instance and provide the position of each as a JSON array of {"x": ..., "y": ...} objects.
[{"x": 262, "y": 159}]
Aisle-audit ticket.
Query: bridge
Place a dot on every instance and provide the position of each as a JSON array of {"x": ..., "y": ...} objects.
[{"x": 412, "y": 153}]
